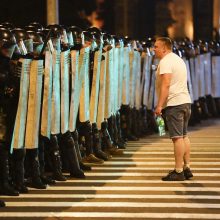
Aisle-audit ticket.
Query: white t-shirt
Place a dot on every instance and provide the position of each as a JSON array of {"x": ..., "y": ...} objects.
[{"x": 178, "y": 91}]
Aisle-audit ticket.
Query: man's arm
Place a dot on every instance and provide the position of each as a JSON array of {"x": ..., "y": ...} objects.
[{"x": 164, "y": 91}]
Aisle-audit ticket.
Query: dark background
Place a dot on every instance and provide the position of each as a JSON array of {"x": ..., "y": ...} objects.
[{"x": 145, "y": 17}]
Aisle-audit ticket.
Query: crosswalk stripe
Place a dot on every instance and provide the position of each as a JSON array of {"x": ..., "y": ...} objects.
[
  {"x": 114, "y": 204},
  {"x": 122, "y": 215},
  {"x": 146, "y": 181},
  {"x": 169, "y": 152},
  {"x": 133, "y": 188},
  {"x": 147, "y": 174},
  {"x": 150, "y": 168},
  {"x": 161, "y": 158},
  {"x": 116, "y": 196},
  {"x": 168, "y": 143},
  {"x": 155, "y": 163}
]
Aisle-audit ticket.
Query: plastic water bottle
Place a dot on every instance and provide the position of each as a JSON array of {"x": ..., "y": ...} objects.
[{"x": 161, "y": 126}]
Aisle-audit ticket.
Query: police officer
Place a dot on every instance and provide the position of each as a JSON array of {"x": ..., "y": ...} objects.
[
  {"x": 7, "y": 46},
  {"x": 67, "y": 143},
  {"x": 20, "y": 55},
  {"x": 95, "y": 59}
]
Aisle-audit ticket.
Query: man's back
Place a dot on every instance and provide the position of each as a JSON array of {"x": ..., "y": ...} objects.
[{"x": 178, "y": 90}]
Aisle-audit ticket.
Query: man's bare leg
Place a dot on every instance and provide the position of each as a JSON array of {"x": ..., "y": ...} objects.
[
  {"x": 179, "y": 151},
  {"x": 186, "y": 157}
]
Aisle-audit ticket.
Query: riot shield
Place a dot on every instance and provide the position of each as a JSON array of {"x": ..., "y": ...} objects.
[
  {"x": 84, "y": 92},
  {"x": 126, "y": 78},
  {"x": 47, "y": 97},
  {"x": 108, "y": 85},
  {"x": 193, "y": 78},
  {"x": 95, "y": 86},
  {"x": 116, "y": 80},
  {"x": 138, "y": 88},
  {"x": 120, "y": 75},
  {"x": 199, "y": 75},
  {"x": 189, "y": 82},
  {"x": 55, "y": 112},
  {"x": 207, "y": 73},
  {"x": 132, "y": 68},
  {"x": 65, "y": 68},
  {"x": 101, "y": 103},
  {"x": 215, "y": 76},
  {"x": 78, "y": 63},
  {"x": 147, "y": 78},
  {"x": 20, "y": 121},
  {"x": 34, "y": 105}
]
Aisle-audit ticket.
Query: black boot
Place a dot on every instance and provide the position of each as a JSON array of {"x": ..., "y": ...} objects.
[
  {"x": 2, "y": 203},
  {"x": 85, "y": 130},
  {"x": 113, "y": 131},
  {"x": 55, "y": 159},
  {"x": 135, "y": 127},
  {"x": 126, "y": 123},
  {"x": 217, "y": 104},
  {"x": 5, "y": 187},
  {"x": 121, "y": 140},
  {"x": 143, "y": 121},
  {"x": 211, "y": 106},
  {"x": 45, "y": 179},
  {"x": 97, "y": 143},
  {"x": 33, "y": 169},
  {"x": 76, "y": 141},
  {"x": 192, "y": 120},
  {"x": 107, "y": 143},
  {"x": 73, "y": 162},
  {"x": 197, "y": 110},
  {"x": 204, "y": 108},
  {"x": 18, "y": 170}
]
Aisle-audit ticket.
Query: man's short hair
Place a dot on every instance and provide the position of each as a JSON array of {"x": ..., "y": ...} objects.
[{"x": 167, "y": 42}]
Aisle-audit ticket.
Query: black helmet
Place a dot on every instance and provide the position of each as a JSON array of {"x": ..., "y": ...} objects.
[
  {"x": 64, "y": 37},
  {"x": 78, "y": 37},
  {"x": 214, "y": 47},
  {"x": 98, "y": 36},
  {"x": 88, "y": 36},
  {"x": 37, "y": 41},
  {"x": 20, "y": 34},
  {"x": 7, "y": 42},
  {"x": 89, "y": 39},
  {"x": 55, "y": 34},
  {"x": 39, "y": 27},
  {"x": 106, "y": 39},
  {"x": 55, "y": 30},
  {"x": 21, "y": 38},
  {"x": 127, "y": 41},
  {"x": 58, "y": 31},
  {"x": 7, "y": 25},
  {"x": 31, "y": 28},
  {"x": 95, "y": 31},
  {"x": 204, "y": 46}
]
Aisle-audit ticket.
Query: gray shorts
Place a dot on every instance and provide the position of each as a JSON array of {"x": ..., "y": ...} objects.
[{"x": 177, "y": 118}]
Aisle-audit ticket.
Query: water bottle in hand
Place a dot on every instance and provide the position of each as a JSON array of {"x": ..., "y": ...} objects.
[{"x": 161, "y": 126}]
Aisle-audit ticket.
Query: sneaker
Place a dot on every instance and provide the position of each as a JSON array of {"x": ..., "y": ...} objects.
[
  {"x": 187, "y": 173},
  {"x": 115, "y": 151},
  {"x": 174, "y": 176},
  {"x": 91, "y": 159}
]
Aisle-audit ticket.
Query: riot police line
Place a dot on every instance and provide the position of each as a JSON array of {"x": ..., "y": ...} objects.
[{"x": 70, "y": 99}]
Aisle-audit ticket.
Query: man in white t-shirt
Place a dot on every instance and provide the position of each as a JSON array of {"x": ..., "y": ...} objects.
[{"x": 174, "y": 98}]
